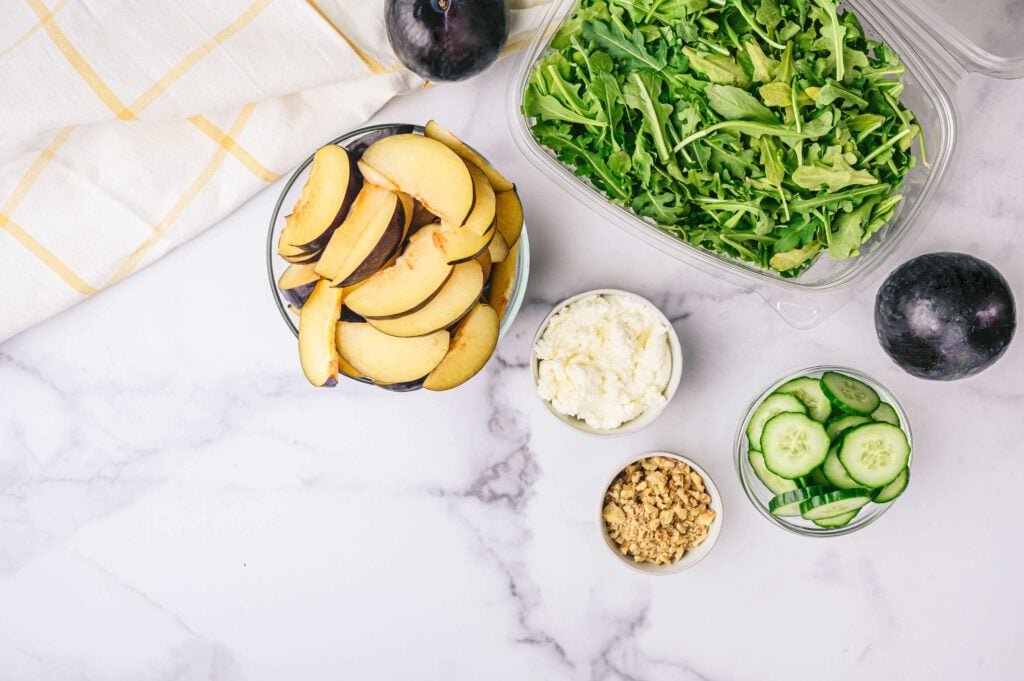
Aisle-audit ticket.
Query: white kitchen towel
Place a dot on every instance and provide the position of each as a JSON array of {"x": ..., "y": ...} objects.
[{"x": 127, "y": 128}]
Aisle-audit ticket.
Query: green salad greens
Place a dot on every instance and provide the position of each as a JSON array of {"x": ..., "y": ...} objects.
[{"x": 766, "y": 130}]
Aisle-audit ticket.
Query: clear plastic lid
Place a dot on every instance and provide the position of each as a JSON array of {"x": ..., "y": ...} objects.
[{"x": 983, "y": 36}]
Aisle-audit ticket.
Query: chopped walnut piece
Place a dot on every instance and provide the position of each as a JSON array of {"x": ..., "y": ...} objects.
[
  {"x": 614, "y": 514},
  {"x": 657, "y": 509},
  {"x": 706, "y": 517}
]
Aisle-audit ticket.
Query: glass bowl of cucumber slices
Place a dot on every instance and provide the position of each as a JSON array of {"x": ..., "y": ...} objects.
[{"x": 824, "y": 451}]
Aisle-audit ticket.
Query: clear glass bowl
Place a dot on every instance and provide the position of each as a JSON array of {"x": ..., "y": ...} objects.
[
  {"x": 759, "y": 495},
  {"x": 276, "y": 265},
  {"x": 806, "y": 300}
]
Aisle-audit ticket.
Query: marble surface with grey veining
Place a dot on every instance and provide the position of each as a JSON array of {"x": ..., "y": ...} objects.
[{"x": 177, "y": 504}]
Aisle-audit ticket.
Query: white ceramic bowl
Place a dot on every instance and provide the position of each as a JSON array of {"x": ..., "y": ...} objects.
[
  {"x": 646, "y": 418},
  {"x": 690, "y": 558}
]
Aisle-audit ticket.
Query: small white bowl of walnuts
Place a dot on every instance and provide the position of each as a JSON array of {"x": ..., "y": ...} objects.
[{"x": 660, "y": 513}]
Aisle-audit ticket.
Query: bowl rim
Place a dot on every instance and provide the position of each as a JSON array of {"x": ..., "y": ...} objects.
[
  {"x": 700, "y": 553},
  {"x": 522, "y": 273},
  {"x": 648, "y": 416},
  {"x": 741, "y": 449}
]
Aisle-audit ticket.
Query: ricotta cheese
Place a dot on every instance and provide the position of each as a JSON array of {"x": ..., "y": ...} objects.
[{"x": 604, "y": 360}]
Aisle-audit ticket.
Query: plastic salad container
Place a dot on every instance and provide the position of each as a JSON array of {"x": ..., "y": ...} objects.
[{"x": 940, "y": 41}]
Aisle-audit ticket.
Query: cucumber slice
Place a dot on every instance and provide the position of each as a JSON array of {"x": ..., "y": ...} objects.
[
  {"x": 873, "y": 454},
  {"x": 817, "y": 478},
  {"x": 835, "y": 427},
  {"x": 834, "y": 471},
  {"x": 772, "y": 405},
  {"x": 774, "y": 483},
  {"x": 794, "y": 445},
  {"x": 893, "y": 489},
  {"x": 788, "y": 503},
  {"x": 849, "y": 395},
  {"x": 886, "y": 414},
  {"x": 808, "y": 390},
  {"x": 832, "y": 504},
  {"x": 837, "y": 521}
]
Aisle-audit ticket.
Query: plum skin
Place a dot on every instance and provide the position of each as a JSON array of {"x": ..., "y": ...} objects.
[
  {"x": 447, "y": 40},
  {"x": 357, "y": 146},
  {"x": 945, "y": 316},
  {"x": 297, "y": 296}
]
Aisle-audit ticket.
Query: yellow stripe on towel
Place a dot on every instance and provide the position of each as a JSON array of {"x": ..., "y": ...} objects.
[
  {"x": 34, "y": 170},
  {"x": 234, "y": 148},
  {"x": 43, "y": 254},
  {"x": 376, "y": 68},
  {"x": 185, "y": 199},
  {"x": 46, "y": 256},
  {"x": 197, "y": 55},
  {"x": 50, "y": 14},
  {"x": 79, "y": 63}
]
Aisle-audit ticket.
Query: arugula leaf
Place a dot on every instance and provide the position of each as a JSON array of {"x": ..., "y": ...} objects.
[
  {"x": 629, "y": 49},
  {"x": 764, "y": 66},
  {"x": 620, "y": 163},
  {"x": 718, "y": 68},
  {"x": 836, "y": 200},
  {"x": 835, "y": 33},
  {"x": 781, "y": 94},
  {"x": 546, "y": 106},
  {"x": 601, "y": 62},
  {"x": 643, "y": 162},
  {"x": 833, "y": 91},
  {"x": 801, "y": 230},
  {"x": 790, "y": 260},
  {"x": 821, "y": 126},
  {"x": 881, "y": 214},
  {"x": 661, "y": 207},
  {"x": 787, "y": 67},
  {"x": 776, "y": 94},
  {"x": 769, "y": 14},
  {"x": 865, "y": 121},
  {"x": 641, "y": 92},
  {"x": 849, "y": 231},
  {"x": 814, "y": 177},
  {"x": 724, "y": 158},
  {"x": 835, "y": 173},
  {"x": 741, "y": 9},
  {"x": 855, "y": 61},
  {"x": 568, "y": 93},
  {"x": 774, "y": 171},
  {"x": 605, "y": 89},
  {"x": 668, "y": 10},
  {"x": 734, "y": 104}
]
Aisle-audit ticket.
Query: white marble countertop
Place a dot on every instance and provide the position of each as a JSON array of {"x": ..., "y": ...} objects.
[{"x": 176, "y": 503}]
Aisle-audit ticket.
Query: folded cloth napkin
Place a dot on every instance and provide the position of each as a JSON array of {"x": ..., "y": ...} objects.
[{"x": 128, "y": 127}]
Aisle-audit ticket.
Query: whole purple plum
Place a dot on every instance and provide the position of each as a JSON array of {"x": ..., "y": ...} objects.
[
  {"x": 447, "y": 39},
  {"x": 945, "y": 316}
]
